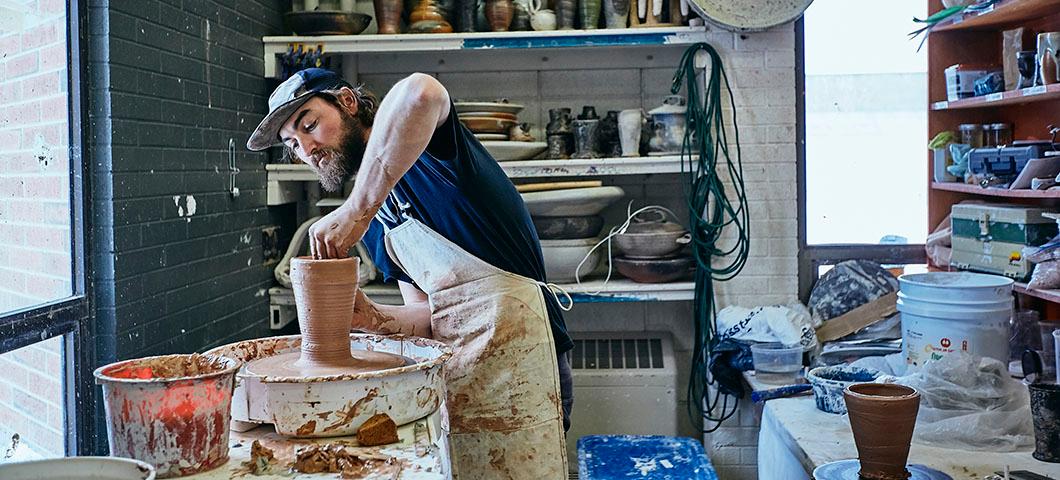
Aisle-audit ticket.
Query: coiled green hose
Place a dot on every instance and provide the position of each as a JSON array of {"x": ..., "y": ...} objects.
[{"x": 714, "y": 208}]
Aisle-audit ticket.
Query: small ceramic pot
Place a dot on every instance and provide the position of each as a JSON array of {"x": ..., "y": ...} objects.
[
  {"x": 669, "y": 126},
  {"x": 588, "y": 113},
  {"x": 1049, "y": 58},
  {"x": 565, "y": 11},
  {"x": 616, "y": 13},
  {"x": 464, "y": 16},
  {"x": 589, "y": 14},
  {"x": 558, "y": 121},
  {"x": 388, "y": 15},
  {"x": 499, "y": 14},
  {"x": 558, "y": 146},
  {"x": 607, "y": 142},
  {"x": 585, "y": 138},
  {"x": 630, "y": 123}
]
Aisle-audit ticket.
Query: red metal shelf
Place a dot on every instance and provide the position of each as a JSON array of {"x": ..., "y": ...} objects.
[
  {"x": 994, "y": 192},
  {"x": 1047, "y": 295},
  {"x": 1011, "y": 97}
]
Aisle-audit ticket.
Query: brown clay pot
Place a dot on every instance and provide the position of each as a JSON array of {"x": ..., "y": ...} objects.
[
  {"x": 429, "y": 18},
  {"x": 388, "y": 15},
  {"x": 882, "y": 417},
  {"x": 324, "y": 291},
  {"x": 499, "y": 14}
]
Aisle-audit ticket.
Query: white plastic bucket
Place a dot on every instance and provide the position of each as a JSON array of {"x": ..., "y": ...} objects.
[
  {"x": 1056, "y": 352},
  {"x": 945, "y": 312}
]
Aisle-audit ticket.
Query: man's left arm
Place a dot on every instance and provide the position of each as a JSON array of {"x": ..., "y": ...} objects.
[
  {"x": 412, "y": 318},
  {"x": 403, "y": 127}
]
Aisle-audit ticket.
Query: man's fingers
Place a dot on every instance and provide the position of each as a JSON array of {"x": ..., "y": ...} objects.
[{"x": 312, "y": 245}]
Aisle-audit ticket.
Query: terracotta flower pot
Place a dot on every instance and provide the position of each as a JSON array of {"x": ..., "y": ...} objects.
[
  {"x": 499, "y": 14},
  {"x": 388, "y": 15},
  {"x": 882, "y": 417}
]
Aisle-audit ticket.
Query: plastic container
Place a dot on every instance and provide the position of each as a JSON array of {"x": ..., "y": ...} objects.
[
  {"x": 776, "y": 362},
  {"x": 971, "y": 134},
  {"x": 945, "y": 312}
]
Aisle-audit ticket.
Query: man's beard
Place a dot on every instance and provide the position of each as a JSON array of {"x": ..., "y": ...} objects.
[{"x": 340, "y": 164}]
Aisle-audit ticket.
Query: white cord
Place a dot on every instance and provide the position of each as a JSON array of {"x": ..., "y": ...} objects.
[{"x": 616, "y": 230}]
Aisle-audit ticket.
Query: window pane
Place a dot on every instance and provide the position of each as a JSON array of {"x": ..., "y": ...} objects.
[
  {"x": 34, "y": 160},
  {"x": 31, "y": 402},
  {"x": 866, "y": 123}
]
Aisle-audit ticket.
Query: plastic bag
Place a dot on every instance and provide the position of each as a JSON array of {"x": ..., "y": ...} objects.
[
  {"x": 1046, "y": 276},
  {"x": 970, "y": 402},
  {"x": 789, "y": 325}
]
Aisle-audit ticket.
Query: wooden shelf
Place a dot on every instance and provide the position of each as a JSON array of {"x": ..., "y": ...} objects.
[
  {"x": 1011, "y": 97},
  {"x": 1047, "y": 295},
  {"x": 994, "y": 192},
  {"x": 353, "y": 44},
  {"x": 1002, "y": 14}
]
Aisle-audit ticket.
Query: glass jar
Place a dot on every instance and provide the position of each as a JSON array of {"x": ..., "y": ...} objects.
[
  {"x": 997, "y": 135},
  {"x": 971, "y": 134}
]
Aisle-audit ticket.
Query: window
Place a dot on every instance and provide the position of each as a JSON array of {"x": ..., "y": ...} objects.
[
  {"x": 865, "y": 129},
  {"x": 42, "y": 297}
]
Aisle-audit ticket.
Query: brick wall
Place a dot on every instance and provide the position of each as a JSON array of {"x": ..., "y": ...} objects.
[
  {"x": 34, "y": 211},
  {"x": 178, "y": 260},
  {"x": 761, "y": 69}
]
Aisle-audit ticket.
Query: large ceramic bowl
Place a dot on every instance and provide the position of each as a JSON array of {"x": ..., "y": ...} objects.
[
  {"x": 563, "y": 256},
  {"x": 326, "y": 22},
  {"x": 574, "y": 202},
  {"x": 651, "y": 240},
  {"x": 503, "y": 151},
  {"x": 568, "y": 228},
  {"x": 659, "y": 270},
  {"x": 77, "y": 468}
]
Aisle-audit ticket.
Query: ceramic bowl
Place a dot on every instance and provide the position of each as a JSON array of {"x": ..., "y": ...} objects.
[
  {"x": 74, "y": 468},
  {"x": 504, "y": 151},
  {"x": 659, "y": 270},
  {"x": 652, "y": 240},
  {"x": 501, "y": 115},
  {"x": 574, "y": 202},
  {"x": 501, "y": 107},
  {"x": 563, "y": 256},
  {"x": 488, "y": 124},
  {"x": 326, "y": 22},
  {"x": 829, "y": 382},
  {"x": 567, "y": 228}
]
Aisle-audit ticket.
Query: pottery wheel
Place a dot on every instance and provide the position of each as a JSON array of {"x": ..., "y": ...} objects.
[
  {"x": 848, "y": 470},
  {"x": 288, "y": 365}
]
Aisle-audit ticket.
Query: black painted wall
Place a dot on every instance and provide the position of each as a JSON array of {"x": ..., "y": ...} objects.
[{"x": 177, "y": 260}]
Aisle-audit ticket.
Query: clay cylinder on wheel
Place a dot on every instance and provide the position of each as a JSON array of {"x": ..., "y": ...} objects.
[
  {"x": 882, "y": 417},
  {"x": 324, "y": 293}
]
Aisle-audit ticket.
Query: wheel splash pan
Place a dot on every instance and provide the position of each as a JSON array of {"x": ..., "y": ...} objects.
[{"x": 337, "y": 405}]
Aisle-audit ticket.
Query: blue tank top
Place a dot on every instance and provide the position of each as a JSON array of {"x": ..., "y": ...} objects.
[{"x": 458, "y": 190}]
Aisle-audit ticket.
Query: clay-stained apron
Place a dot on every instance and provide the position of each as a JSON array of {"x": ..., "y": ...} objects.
[{"x": 503, "y": 401}]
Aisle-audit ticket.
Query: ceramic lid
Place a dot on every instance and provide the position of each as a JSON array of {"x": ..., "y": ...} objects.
[{"x": 673, "y": 104}]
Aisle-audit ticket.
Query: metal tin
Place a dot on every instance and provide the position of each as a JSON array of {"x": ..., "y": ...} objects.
[
  {"x": 176, "y": 422},
  {"x": 337, "y": 405}
]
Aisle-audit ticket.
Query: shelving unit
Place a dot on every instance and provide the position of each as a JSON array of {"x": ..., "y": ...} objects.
[
  {"x": 976, "y": 38},
  {"x": 504, "y": 53}
]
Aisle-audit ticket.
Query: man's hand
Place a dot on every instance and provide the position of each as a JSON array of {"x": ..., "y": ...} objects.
[{"x": 335, "y": 233}]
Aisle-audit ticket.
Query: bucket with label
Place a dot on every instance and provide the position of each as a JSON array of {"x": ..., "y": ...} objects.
[{"x": 946, "y": 312}]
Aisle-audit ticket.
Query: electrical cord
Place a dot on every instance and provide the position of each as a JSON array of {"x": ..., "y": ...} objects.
[{"x": 718, "y": 218}]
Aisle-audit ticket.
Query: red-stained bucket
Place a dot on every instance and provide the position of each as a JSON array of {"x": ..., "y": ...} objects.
[{"x": 171, "y": 411}]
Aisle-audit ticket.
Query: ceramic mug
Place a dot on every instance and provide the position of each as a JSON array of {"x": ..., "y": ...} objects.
[
  {"x": 541, "y": 18},
  {"x": 1049, "y": 57}
]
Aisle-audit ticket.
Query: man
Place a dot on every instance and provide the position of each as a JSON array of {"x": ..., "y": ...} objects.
[{"x": 441, "y": 217}]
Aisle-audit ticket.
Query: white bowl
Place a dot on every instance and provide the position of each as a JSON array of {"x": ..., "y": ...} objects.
[
  {"x": 575, "y": 202},
  {"x": 563, "y": 256},
  {"x": 504, "y": 151},
  {"x": 73, "y": 468}
]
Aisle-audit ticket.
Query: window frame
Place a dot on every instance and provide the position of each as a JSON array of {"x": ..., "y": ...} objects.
[
  {"x": 68, "y": 317},
  {"x": 811, "y": 257}
]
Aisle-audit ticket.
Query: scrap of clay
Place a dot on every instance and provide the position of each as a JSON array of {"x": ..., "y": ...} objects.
[
  {"x": 378, "y": 430},
  {"x": 261, "y": 458},
  {"x": 350, "y": 462}
]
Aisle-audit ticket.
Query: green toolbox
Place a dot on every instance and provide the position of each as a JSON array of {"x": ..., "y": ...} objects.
[{"x": 990, "y": 237}]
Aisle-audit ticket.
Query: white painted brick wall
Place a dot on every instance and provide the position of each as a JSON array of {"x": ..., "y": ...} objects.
[{"x": 761, "y": 69}]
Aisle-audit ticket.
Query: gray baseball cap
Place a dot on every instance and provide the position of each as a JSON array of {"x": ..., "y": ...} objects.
[{"x": 287, "y": 98}]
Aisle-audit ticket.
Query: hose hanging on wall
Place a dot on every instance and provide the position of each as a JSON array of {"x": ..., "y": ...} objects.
[{"x": 714, "y": 210}]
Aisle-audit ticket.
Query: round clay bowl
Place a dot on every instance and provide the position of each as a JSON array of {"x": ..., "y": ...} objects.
[
  {"x": 488, "y": 124},
  {"x": 502, "y": 107},
  {"x": 563, "y": 256},
  {"x": 500, "y": 115},
  {"x": 327, "y": 22},
  {"x": 650, "y": 240},
  {"x": 566, "y": 228},
  {"x": 660, "y": 270},
  {"x": 572, "y": 202}
]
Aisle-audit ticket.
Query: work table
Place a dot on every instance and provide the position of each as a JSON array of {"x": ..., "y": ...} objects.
[
  {"x": 815, "y": 438},
  {"x": 421, "y": 454}
]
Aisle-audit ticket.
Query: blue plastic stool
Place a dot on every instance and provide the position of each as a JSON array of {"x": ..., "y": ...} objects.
[{"x": 645, "y": 457}]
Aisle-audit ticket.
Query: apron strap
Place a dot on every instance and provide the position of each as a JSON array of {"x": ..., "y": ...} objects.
[{"x": 556, "y": 291}]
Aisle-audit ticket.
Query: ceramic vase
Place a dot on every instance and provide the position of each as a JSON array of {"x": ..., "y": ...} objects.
[
  {"x": 588, "y": 113},
  {"x": 520, "y": 16},
  {"x": 388, "y": 15},
  {"x": 1048, "y": 58},
  {"x": 589, "y": 14},
  {"x": 882, "y": 417},
  {"x": 585, "y": 138},
  {"x": 616, "y": 13},
  {"x": 464, "y": 15},
  {"x": 428, "y": 17},
  {"x": 607, "y": 141},
  {"x": 499, "y": 14},
  {"x": 558, "y": 121},
  {"x": 557, "y": 146},
  {"x": 668, "y": 122},
  {"x": 630, "y": 123},
  {"x": 565, "y": 11}
]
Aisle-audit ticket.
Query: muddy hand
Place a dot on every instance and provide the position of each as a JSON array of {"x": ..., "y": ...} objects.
[{"x": 334, "y": 234}]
